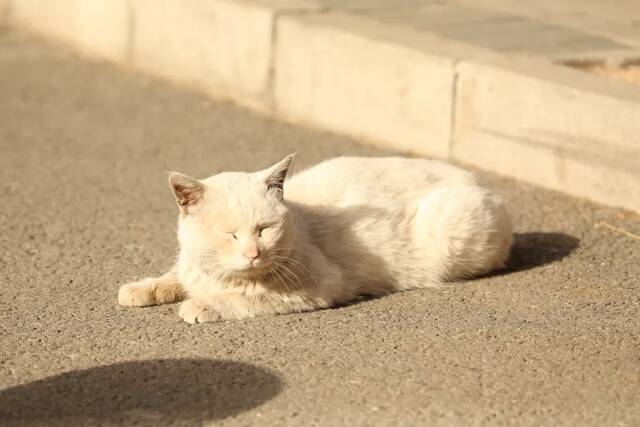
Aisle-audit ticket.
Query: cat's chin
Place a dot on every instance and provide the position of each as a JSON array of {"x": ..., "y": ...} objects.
[{"x": 252, "y": 271}]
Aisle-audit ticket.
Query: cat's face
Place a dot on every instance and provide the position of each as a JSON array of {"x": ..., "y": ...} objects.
[{"x": 234, "y": 223}]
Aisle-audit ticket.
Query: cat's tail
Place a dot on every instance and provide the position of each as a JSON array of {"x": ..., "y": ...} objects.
[{"x": 464, "y": 230}]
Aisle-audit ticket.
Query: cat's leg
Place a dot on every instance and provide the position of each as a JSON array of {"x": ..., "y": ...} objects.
[
  {"x": 464, "y": 231},
  {"x": 152, "y": 291},
  {"x": 239, "y": 306}
]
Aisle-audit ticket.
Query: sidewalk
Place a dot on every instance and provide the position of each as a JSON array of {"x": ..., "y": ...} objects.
[
  {"x": 546, "y": 28},
  {"x": 489, "y": 85},
  {"x": 85, "y": 208}
]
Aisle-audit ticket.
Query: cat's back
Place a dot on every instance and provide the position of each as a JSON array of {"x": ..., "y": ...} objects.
[{"x": 371, "y": 180}]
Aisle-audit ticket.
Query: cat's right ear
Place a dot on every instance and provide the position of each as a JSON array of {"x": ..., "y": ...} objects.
[{"x": 187, "y": 191}]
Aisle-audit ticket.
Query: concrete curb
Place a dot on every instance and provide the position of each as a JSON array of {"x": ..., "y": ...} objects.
[
  {"x": 552, "y": 126},
  {"x": 416, "y": 92},
  {"x": 341, "y": 73}
]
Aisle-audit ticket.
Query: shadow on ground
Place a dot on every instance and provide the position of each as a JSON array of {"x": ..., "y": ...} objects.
[
  {"x": 532, "y": 250},
  {"x": 151, "y": 392}
]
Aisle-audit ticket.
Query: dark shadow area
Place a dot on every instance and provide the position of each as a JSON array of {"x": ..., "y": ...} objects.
[
  {"x": 150, "y": 392},
  {"x": 536, "y": 249}
]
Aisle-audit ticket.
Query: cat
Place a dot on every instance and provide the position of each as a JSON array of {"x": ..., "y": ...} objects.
[{"x": 254, "y": 244}]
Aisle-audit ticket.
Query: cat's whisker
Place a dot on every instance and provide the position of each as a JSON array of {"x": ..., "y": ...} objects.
[
  {"x": 280, "y": 250},
  {"x": 288, "y": 259},
  {"x": 287, "y": 273},
  {"x": 295, "y": 276},
  {"x": 275, "y": 271},
  {"x": 288, "y": 280},
  {"x": 298, "y": 264}
]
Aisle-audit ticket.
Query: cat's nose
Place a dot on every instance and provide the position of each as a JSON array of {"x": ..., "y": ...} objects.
[{"x": 251, "y": 253}]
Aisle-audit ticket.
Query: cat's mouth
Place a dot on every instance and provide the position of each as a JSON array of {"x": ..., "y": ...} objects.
[{"x": 251, "y": 270}]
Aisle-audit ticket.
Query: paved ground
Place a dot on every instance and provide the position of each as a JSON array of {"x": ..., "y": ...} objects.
[
  {"x": 547, "y": 28},
  {"x": 85, "y": 207}
]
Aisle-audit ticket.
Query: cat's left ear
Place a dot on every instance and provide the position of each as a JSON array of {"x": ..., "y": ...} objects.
[{"x": 276, "y": 174}]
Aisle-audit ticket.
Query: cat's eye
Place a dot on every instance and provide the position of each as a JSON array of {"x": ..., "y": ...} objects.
[
  {"x": 232, "y": 234},
  {"x": 261, "y": 229}
]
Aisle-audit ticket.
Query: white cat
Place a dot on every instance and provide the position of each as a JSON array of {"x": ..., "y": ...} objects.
[{"x": 253, "y": 244}]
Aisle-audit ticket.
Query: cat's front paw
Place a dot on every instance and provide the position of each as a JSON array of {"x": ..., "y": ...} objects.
[
  {"x": 195, "y": 311},
  {"x": 137, "y": 294}
]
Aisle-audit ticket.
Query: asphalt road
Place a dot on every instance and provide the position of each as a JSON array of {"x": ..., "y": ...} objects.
[{"x": 85, "y": 207}]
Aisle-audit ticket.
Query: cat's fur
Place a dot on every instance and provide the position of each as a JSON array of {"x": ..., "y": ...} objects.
[{"x": 253, "y": 244}]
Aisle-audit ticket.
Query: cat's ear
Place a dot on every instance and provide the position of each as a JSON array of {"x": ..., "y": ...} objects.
[
  {"x": 187, "y": 191},
  {"x": 276, "y": 174}
]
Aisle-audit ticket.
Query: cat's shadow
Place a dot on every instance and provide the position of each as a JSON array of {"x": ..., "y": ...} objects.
[
  {"x": 536, "y": 249},
  {"x": 150, "y": 392}
]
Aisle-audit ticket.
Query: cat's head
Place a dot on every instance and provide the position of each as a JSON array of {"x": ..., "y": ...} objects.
[{"x": 234, "y": 223}]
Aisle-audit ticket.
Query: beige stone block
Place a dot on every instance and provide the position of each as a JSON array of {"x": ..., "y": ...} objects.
[
  {"x": 223, "y": 47},
  {"x": 97, "y": 27},
  {"x": 552, "y": 127},
  {"x": 343, "y": 76}
]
